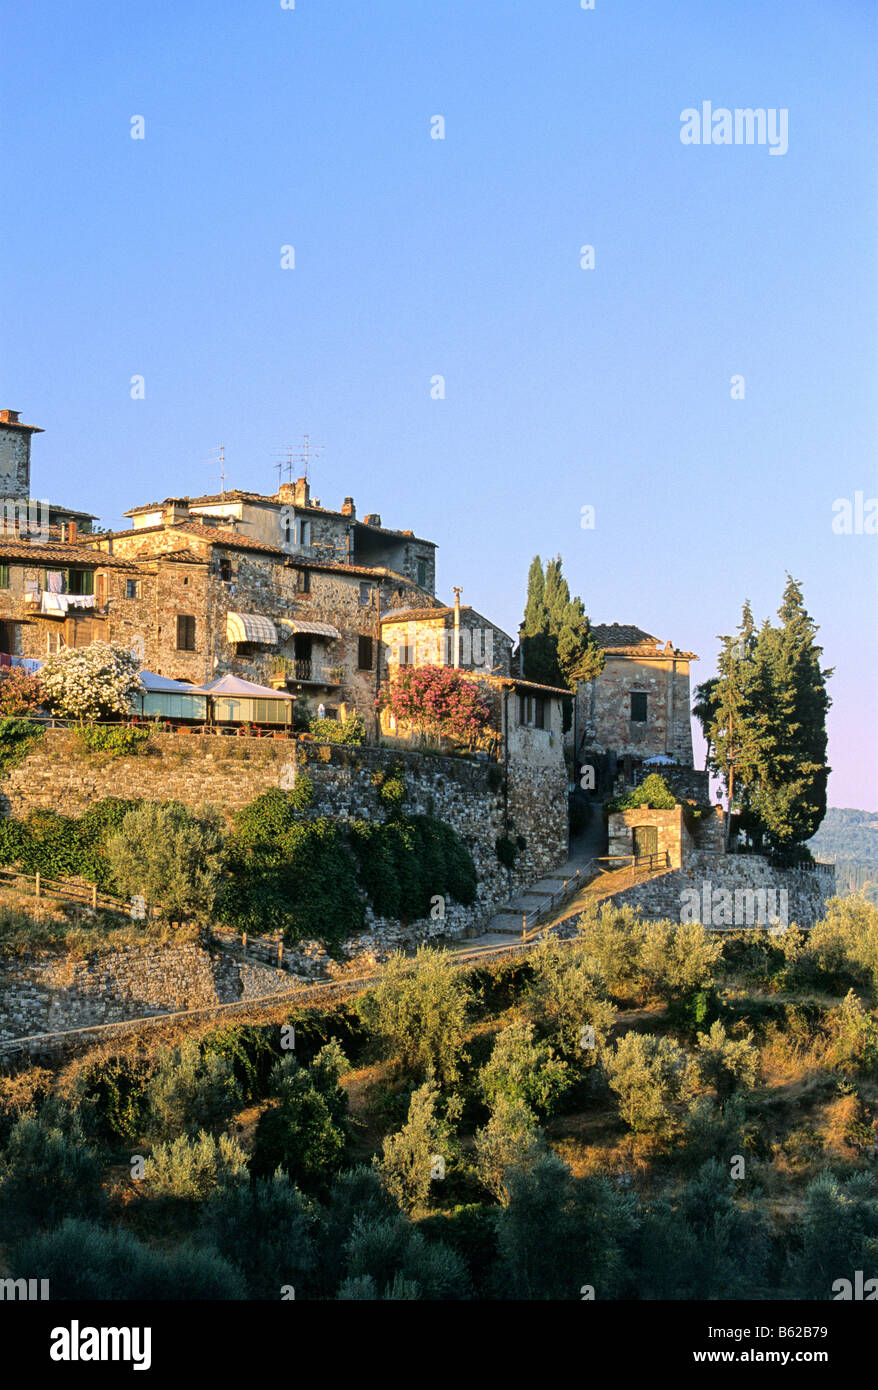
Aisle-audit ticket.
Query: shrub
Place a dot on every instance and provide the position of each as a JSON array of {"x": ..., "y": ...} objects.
[
  {"x": 507, "y": 851},
  {"x": 264, "y": 1228},
  {"x": 678, "y": 958},
  {"x": 420, "y": 1011},
  {"x": 171, "y": 856},
  {"x": 567, "y": 998},
  {"x": 398, "y": 1262},
  {"x": 357, "y": 1193},
  {"x": 407, "y": 1160},
  {"x": 188, "y": 1169},
  {"x": 251, "y": 1052},
  {"x": 510, "y": 1142},
  {"x": 838, "y": 1235},
  {"x": 521, "y": 1068},
  {"x": 45, "y": 1175},
  {"x": 20, "y": 694},
  {"x": 438, "y": 700},
  {"x": 650, "y": 1076},
  {"x": 843, "y": 947},
  {"x": 653, "y": 793},
  {"x": 191, "y": 1090},
  {"x": 613, "y": 937},
  {"x": 85, "y": 1261},
  {"x": 558, "y": 1233},
  {"x": 350, "y": 730},
  {"x": 112, "y": 1093},
  {"x": 854, "y": 1044},
  {"x": 17, "y": 737},
  {"x": 303, "y": 1133},
  {"x": 93, "y": 682},
  {"x": 726, "y": 1063},
  {"x": 116, "y": 740}
]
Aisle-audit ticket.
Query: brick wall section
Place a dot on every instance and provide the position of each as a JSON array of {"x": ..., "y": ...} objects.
[{"x": 54, "y": 993}]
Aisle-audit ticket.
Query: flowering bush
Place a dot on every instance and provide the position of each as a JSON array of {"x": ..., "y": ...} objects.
[
  {"x": 94, "y": 682},
  {"x": 436, "y": 700},
  {"x": 19, "y": 693}
]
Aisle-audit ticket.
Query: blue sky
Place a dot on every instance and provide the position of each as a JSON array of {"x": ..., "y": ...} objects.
[{"x": 415, "y": 257}]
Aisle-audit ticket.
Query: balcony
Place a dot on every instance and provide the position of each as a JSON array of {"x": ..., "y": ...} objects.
[{"x": 295, "y": 671}]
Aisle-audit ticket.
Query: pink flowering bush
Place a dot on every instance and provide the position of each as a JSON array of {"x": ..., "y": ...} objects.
[
  {"x": 436, "y": 700},
  {"x": 20, "y": 694}
]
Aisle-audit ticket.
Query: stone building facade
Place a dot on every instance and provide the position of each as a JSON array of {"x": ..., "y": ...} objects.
[
  {"x": 639, "y": 707},
  {"x": 291, "y": 521}
]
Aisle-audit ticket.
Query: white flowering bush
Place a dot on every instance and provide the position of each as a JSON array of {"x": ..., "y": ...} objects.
[{"x": 95, "y": 682}]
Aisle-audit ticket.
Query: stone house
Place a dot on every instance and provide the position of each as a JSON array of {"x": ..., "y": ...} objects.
[
  {"x": 445, "y": 636},
  {"x": 638, "y": 708},
  {"x": 208, "y": 601},
  {"x": 57, "y": 595},
  {"x": 291, "y": 521}
]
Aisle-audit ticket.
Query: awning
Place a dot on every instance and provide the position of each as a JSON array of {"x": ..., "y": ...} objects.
[
  {"x": 250, "y": 627},
  {"x": 312, "y": 629},
  {"x": 237, "y": 688}
]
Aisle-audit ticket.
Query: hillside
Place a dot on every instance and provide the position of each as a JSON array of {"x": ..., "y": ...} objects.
[{"x": 848, "y": 838}]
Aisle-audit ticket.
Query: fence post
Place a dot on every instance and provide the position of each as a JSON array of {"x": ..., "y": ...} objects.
[
  {"x": 94, "y": 895},
  {"x": 37, "y": 883},
  {"x": 244, "y": 943},
  {"x": 524, "y": 926},
  {"x": 280, "y": 955}
]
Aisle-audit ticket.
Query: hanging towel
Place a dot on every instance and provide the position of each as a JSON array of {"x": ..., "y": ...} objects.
[{"x": 55, "y": 580}]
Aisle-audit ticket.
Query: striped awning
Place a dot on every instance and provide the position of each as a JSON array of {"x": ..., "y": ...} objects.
[
  {"x": 311, "y": 629},
  {"x": 250, "y": 627}
]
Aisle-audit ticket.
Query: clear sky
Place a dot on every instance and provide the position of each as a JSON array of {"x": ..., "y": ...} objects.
[{"x": 416, "y": 257}]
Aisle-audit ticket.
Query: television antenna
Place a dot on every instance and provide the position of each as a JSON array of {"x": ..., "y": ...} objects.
[{"x": 219, "y": 456}]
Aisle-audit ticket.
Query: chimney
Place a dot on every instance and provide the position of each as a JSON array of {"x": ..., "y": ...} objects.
[
  {"x": 302, "y": 493},
  {"x": 348, "y": 508},
  {"x": 71, "y": 532},
  {"x": 372, "y": 519},
  {"x": 15, "y": 439},
  {"x": 175, "y": 509},
  {"x": 285, "y": 492},
  {"x": 456, "y": 661}
]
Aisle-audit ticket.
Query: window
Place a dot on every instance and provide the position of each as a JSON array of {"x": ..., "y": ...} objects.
[
  {"x": 225, "y": 569},
  {"x": 366, "y": 592},
  {"x": 638, "y": 707},
  {"x": 304, "y": 530},
  {"x": 525, "y": 705},
  {"x": 539, "y": 713},
  {"x": 422, "y": 573},
  {"x": 185, "y": 633},
  {"x": 80, "y": 581},
  {"x": 364, "y": 653},
  {"x": 132, "y": 588},
  {"x": 4, "y": 576},
  {"x": 303, "y": 581}
]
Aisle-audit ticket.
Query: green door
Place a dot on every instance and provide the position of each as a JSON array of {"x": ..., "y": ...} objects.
[{"x": 645, "y": 840}]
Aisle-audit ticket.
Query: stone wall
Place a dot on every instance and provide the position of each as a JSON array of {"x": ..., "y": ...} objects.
[
  {"x": 54, "y": 993},
  {"x": 604, "y": 707},
  {"x": 672, "y": 838},
  {"x": 472, "y": 795},
  {"x": 698, "y": 891}
]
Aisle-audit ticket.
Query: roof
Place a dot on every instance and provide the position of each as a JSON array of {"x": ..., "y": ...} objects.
[
  {"x": 153, "y": 683},
  {"x": 623, "y": 639},
  {"x": 409, "y": 615},
  {"x": 237, "y": 686},
  {"x": 62, "y": 554},
  {"x": 621, "y": 635},
  {"x": 272, "y": 500},
  {"x": 518, "y": 683}
]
